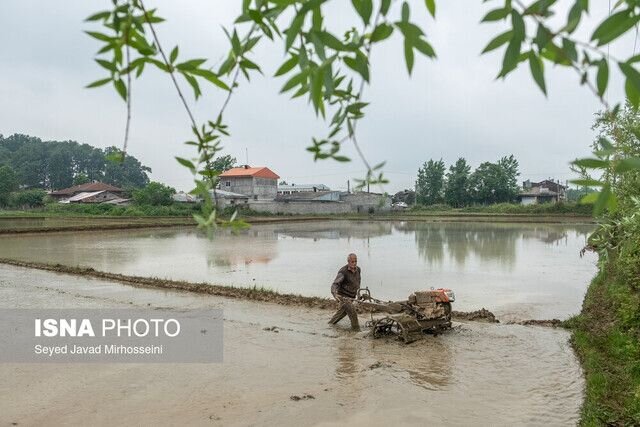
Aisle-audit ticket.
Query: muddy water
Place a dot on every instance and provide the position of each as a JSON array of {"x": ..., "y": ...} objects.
[
  {"x": 475, "y": 374},
  {"x": 519, "y": 271}
]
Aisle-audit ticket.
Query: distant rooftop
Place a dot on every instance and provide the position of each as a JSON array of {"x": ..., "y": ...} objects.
[
  {"x": 89, "y": 187},
  {"x": 258, "y": 172}
]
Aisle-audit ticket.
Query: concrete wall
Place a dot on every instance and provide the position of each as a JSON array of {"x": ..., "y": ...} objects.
[
  {"x": 367, "y": 202},
  {"x": 300, "y": 208},
  {"x": 349, "y": 203},
  {"x": 265, "y": 188}
]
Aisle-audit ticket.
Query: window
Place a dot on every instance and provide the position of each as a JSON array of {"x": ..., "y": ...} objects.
[{"x": 227, "y": 183}]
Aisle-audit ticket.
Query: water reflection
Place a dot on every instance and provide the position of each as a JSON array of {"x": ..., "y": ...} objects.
[
  {"x": 486, "y": 241},
  {"x": 337, "y": 230}
]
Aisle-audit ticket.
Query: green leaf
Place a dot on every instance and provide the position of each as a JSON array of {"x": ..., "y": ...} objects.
[
  {"x": 99, "y": 16},
  {"x": 406, "y": 12},
  {"x": 602, "y": 78},
  {"x": 384, "y": 7},
  {"x": 614, "y": 26},
  {"x": 381, "y": 32},
  {"x": 633, "y": 95},
  {"x": 603, "y": 200},
  {"x": 108, "y": 65},
  {"x": 191, "y": 64},
  {"x": 431, "y": 7},
  {"x": 408, "y": 55},
  {"x": 210, "y": 76},
  {"x": 543, "y": 36},
  {"x": 498, "y": 41},
  {"x": 364, "y": 9},
  {"x": 569, "y": 49},
  {"x": 250, "y": 65},
  {"x": 293, "y": 30},
  {"x": 358, "y": 64},
  {"x": 341, "y": 158},
  {"x": 537, "y": 71},
  {"x": 511, "y": 57},
  {"x": 423, "y": 46},
  {"x": 121, "y": 88},
  {"x": 496, "y": 15},
  {"x": 316, "y": 89},
  {"x": 186, "y": 163},
  {"x": 591, "y": 163},
  {"x": 298, "y": 79},
  {"x": 98, "y": 83},
  {"x": 194, "y": 84},
  {"x": 631, "y": 74},
  {"x": 331, "y": 41},
  {"x": 518, "y": 25},
  {"x": 574, "y": 18},
  {"x": 287, "y": 66},
  {"x": 590, "y": 198},
  {"x": 100, "y": 36},
  {"x": 174, "y": 55},
  {"x": 628, "y": 164}
]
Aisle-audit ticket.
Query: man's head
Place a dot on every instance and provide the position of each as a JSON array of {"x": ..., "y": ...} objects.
[{"x": 352, "y": 261}]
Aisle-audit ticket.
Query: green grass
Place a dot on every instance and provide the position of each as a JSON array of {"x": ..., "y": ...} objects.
[
  {"x": 100, "y": 209},
  {"x": 606, "y": 337},
  {"x": 569, "y": 208}
]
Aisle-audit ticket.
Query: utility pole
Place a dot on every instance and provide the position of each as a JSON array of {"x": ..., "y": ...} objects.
[{"x": 348, "y": 187}]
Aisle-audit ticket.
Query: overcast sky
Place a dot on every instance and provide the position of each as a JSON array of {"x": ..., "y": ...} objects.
[{"x": 452, "y": 107}]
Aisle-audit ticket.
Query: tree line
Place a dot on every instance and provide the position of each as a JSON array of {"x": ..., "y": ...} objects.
[
  {"x": 53, "y": 165},
  {"x": 489, "y": 183}
]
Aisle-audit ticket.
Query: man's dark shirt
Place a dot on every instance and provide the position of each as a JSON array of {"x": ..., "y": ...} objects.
[{"x": 347, "y": 282}]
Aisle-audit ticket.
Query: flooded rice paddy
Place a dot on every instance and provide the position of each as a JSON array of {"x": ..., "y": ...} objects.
[
  {"x": 518, "y": 271},
  {"x": 475, "y": 374}
]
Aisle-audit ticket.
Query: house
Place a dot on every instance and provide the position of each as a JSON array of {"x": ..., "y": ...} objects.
[
  {"x": 542, "y": 192},
  {"x": 228, "y": 198},
  {"x": 259, "y": 183},
  {"x": 301, "y": 188},
  {"x": 90, "y": 187},
  {"x": 307, "y": 196},
  {"x": 182, "y": 197},
  {"x": 92, "y": 197}
]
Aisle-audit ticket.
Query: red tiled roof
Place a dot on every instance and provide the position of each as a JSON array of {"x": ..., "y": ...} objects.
[
  {"x": 258, "y": 172},
  {"x": 89, "y": 187}
]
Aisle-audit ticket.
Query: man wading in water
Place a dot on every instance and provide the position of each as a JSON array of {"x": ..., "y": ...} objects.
[{"x": 345, "y": 289}]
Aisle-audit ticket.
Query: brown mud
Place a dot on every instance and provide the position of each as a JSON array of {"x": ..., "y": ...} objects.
[{"x": 250, "y": 293}]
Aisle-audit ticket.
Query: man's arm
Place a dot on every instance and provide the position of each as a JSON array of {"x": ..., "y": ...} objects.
[{"x": 336, "y": 284}]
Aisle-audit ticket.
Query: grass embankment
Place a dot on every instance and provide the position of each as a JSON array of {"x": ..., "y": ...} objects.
[
  {"x": 568, "y": 208},
  {"x": 102, "y": 209},
  {"x": 606, "y": 337}
]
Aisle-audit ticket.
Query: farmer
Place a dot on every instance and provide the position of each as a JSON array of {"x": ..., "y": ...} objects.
[{"x": 345, "y": 289}]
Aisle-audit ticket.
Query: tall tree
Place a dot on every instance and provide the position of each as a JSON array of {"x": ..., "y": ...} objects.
[
  {"x": 495, "y": 182},
  {"x": 509, "y": 165},
  {"x": 60, "y": 166},
  {"x": 430, "y": 183},
  {"x": 223, "y": 163},
  {"x": 8, "y": 184},
  {"x": 128, "y": 172},
  {"x": 154, "y": 194},
  {"x": 456, "y": 191}
]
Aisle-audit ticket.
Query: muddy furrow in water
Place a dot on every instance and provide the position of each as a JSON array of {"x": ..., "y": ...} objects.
[{"x": 253, "y": 294}]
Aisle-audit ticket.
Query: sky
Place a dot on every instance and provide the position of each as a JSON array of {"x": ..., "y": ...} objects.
[{"x": 450, "y": 107}]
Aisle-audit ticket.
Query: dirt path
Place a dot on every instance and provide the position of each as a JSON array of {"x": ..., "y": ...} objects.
[{"x": 283, "y": 365}]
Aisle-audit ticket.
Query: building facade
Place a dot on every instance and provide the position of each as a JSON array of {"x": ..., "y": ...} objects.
[{"x": 258, "y": 183}]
